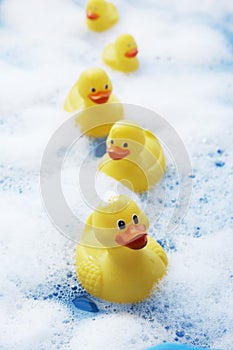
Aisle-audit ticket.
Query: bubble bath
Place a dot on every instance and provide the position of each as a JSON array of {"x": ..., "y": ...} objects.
[{"x": 186, "y": 76}]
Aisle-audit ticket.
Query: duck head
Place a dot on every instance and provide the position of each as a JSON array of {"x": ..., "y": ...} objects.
[
  {"x": 95, "y": 10},
  {"x": 126, "y": 47},
  {"x": 94, "y": 86},
  {"x": 120, "y": 223},
  {"x": 125, "y": 140}
]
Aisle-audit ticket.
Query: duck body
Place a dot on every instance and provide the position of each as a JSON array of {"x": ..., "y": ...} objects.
[
  {"x": 100, "y": 15},
  {"x": 98, "y": 108},
  {"x": 97, "y": 121},
  {"x": 121, "y": 273},
  {"x": 103, "y": 272},
  {"x": 121, "y": 55},
  {"x": 139, "y": 165}
]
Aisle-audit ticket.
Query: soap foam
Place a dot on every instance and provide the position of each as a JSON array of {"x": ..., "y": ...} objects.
[{"x": 186, "y": 76}]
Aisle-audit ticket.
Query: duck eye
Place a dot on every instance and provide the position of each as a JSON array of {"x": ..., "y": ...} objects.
[
  {"x": 112, "y": 142},
  {"x": 129, "y": 45},
  {"x": 135, "y": 219},
  {"x": 93, "y": 90},
  {"x": 121, "y": 224},
  {"x": 125, "y": 144},
  {"x": 106, "y": 87}
]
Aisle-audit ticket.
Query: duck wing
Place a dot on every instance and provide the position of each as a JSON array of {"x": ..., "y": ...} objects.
[
  {"x": 153, "y": 145},
  {"x": 90, "y": 276},
  {"x": 109, "y": 55},
  {"x": 112, "y": 14},
  {"x": 158, "y": 250},
  {"x": 73, "y": 101}
]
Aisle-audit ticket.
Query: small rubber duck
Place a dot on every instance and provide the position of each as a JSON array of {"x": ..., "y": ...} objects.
[
  {"x": 121, "y": 55},
  {"x": 116, "y": 260},
  {"x": 134, "y": 156},
  {"x": 100, "y": 15},
  {"x": 94, "y": 89}
]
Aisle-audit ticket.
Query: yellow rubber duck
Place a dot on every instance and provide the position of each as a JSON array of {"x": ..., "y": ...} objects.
[
  {"x": 100, "y": 15},
  {"x": 116, "y": 260},
  {"x": 134, "y": 156},
  {"x": 121, "y": 55},
  {"x": 94, "y": 89}
]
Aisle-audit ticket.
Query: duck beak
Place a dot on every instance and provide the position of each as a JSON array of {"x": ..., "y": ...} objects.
[
  {"x": 92, "y": 15},
  {"x": 135, "y": 237},
  {"x": 131, "y": 53},
  {"x": 100, "y": 97},
  {"x": 117, "y": 153}
]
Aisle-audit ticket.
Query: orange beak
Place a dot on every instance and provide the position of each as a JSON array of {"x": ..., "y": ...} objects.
[
  {"x": 116, "y": 152},
  {"x": 92, "y": 15},
  {"x": 100, "y": 97},
  {"x": 131, "y": 53},
  {"x": 135, "y": 237}
]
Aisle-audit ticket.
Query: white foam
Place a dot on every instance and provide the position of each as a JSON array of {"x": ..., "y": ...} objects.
[
  {"x": 116, "y": 331},
  {"x": 36, "y": 325},
  {"x": 182, "y": 50}
]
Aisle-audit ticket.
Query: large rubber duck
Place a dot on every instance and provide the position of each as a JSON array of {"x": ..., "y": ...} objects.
[
  {"x": 116, "y": 260},
  {"x": 100, "y": 15},
  {"x": 134, "y": 156},
  {"x": 121, "y": 55},
  {"x": 94, "y": 89}
]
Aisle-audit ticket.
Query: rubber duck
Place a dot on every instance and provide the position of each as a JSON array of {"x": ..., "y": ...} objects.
[
  {"x": 116, "y": 260},
  {"x": 100, "y": 15},
  {"x": 94, "y": 89},
  {"x": 134, "y": 156},
  {"x": 121, "y": 55}
]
